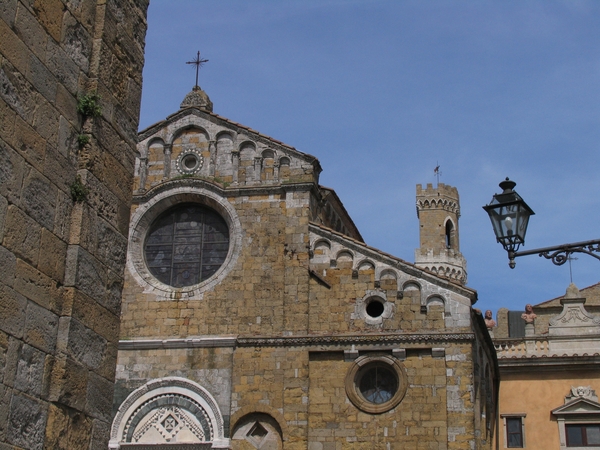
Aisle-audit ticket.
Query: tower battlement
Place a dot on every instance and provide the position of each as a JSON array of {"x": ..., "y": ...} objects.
[{"x": 438, "y": 210}]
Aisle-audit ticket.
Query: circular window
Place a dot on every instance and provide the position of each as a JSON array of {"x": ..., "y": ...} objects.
[
  {"x": 376, "y": 384},
  {"x": 375, "y": 308},
  {"x": 186, "y": 245},
  {"x": 189, "y": 162}
]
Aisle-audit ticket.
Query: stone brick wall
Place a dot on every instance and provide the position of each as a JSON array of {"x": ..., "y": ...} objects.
[{"x": 61, "y": 260}]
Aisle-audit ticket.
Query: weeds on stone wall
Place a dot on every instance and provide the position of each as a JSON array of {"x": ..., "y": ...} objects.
[
  {"x": 79, "y": 192},
  {"x": 83, "y": 140},
  {"x": 88, "y": 105}
]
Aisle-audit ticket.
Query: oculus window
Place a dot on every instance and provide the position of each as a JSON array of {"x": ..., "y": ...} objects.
[
  {"x": 186, "y": 245},
  {"x": 376, "y": 384}
]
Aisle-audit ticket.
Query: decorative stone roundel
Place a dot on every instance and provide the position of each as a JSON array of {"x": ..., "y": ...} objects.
[
  {"x": 376, "y": 384},
  {"x": 189, "y": 162}
]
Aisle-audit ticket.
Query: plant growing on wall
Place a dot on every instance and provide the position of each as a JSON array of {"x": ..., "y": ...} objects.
[
  {"x": 79, "y": 191},
  {"x": 88, "y": 105}
]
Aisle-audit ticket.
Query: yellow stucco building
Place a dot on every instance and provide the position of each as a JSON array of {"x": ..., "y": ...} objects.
[{"x": 549, "y": 374}]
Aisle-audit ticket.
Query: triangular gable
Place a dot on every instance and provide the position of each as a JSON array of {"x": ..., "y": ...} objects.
[
  {"x": 186, "y": 117},
  {"x": 578, "y": 406}
]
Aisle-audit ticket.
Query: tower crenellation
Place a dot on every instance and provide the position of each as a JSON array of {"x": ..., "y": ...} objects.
[{"x": 438, "y": 210}]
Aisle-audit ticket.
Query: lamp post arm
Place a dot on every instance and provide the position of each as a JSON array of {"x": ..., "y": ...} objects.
[{"x": 559, "y": 254}]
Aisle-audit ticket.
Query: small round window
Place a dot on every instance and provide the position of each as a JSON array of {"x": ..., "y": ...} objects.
[
  {"x": 375, "y": 308},
  {"x": 189, "y": 162},
  {"x": 376, "y": 384},
  {"x": 186, "y": 245}
]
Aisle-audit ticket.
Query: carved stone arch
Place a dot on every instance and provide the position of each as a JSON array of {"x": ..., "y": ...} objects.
[
  {"x": 412, "y": 293},
  {"x": 322, "y": 246},
  {"x": 185, "y": 129},
  {"x": 388, "y": 274},
  {"x": 247, "y": 146},
  {"x": 344, "y": 259},
  {"x": 224, "y": 134},
  {"x": 411, "y": 285},
  {"x": 435, "y": 299},
  {"x": 365, "y": 264},
  {"x": 388, "y": 279},
  {"x": 166, "y": 411},
  {"x": 268, "y": 154},
  {"x": 284, "y": 167},
  {"x": 259, "y": 429},
  {"x": 345, "y": 254},
  {"x": 156, "y": 141}
]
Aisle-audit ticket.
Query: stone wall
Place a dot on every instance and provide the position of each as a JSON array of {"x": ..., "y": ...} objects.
[{"x": 62, "y": 258}]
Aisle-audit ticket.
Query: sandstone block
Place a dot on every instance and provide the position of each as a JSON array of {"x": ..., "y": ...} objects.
[
  {"x": 14, "y": 50},
  {"x": 77, "y": 41},
  {"x": 92, "y": 315},
  {"x": 7, "y": 258},
  {"x": 45, "y": 121},
  {"x": 68, "y": 380},
  {"x": 41, "y": 327},
  {"x": 22, "y": 235},
  {"x": 29, "y": 144},
  {"x": 13, "y": 351},
  {"x": 38, "y": 287},
  {"x": 81, "y": 344},
  {"x": 30, "y": 371},
  {"x": 59, "y": 170},
  {"x": 100, "y": 435},
  {"x": 53, "y": 252},
  {"x": 67, "y": 138},
  {"x": 99, "y": 398},
  {"x": 11, "y": 173},
  {"x": 30, "y": 32},
  {"x": 38, "y": 199},
  {"x": 61, "y": 65},
  {"x": 85, "y": 272},
  {"x": 50, "y": 15},
  {"x": 12, "y": 311},
  {"x": 66, "y": 104},
  {"x": 26, "y": 422},
  {"x": 67, "y": 429},
  {"x": 16, "y": 91},
  {"x": 8, "y": 11}
]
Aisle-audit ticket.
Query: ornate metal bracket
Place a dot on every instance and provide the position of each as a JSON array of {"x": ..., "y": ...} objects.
[{"x": 559, "y": 254}]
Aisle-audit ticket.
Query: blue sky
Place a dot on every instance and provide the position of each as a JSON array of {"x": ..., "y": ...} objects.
[{"x": 382, "y": 91}]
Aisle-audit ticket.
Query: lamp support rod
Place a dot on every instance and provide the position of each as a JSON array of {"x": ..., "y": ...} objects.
[{"x": 559, "y": 254}]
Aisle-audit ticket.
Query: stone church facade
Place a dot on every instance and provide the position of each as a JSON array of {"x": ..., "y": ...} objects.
[{"x": 255, "y": 316}]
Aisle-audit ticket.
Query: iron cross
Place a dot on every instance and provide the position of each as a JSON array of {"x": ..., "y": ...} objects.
[{"x": 198, "y": 62}]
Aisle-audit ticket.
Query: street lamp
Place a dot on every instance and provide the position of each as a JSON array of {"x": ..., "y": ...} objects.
[{"x": 510, "y": 216}]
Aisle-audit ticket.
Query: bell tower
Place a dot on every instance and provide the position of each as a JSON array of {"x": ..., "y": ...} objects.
[{"x": 438, "y": 210}]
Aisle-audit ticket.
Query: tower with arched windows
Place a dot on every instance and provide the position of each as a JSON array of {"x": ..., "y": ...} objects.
[{"x": 438, "y": 210}]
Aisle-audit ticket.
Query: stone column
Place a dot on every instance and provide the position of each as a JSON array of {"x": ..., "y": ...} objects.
[
  {"x": 167, "y": 162},
  {"x": 235, "y": 161},
  {"x": 143, "y": 173},
  {"x": 212, "y": 160},
  {"x": 257, "y": 168}
]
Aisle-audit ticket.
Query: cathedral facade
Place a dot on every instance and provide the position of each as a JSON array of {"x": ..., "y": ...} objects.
[{"x": 255, "y": 316}]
